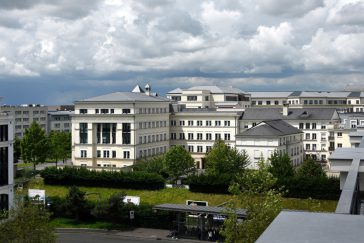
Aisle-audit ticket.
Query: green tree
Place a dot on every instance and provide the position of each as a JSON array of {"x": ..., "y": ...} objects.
[
  {"x": 112, "y": 209},
  {"x": 151, "y": 165},
  {"x": 253, "y": 192},
  {"x": 17, "y": 149},
  {"x": 281, "y": 166},
  {"x": 34, "y": 145},
  {"x": 27, "y": 223},
  {"x": 310, "y": 168},
  {"x": 76, "y": 204},
  {"x": 178, "y": 162},
  {"x": 59, "y": 145},
  {"x": 223, "y": 159}
]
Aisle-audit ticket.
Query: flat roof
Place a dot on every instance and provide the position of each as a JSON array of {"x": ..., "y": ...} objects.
[
  {"x": 303, "y": 227},
  {"x": 197, "y": 209}
]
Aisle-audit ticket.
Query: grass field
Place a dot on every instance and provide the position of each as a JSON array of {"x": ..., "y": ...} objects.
[{"x": 174, "y": 195}]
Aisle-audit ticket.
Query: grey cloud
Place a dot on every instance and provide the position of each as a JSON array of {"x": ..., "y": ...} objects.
[
  {"x": 180, "y": 21},
  {"x": 349, "y": 14},
  {"x": 18, "y": 4},
  {"x": 294, "y": 8},
  {"x": 9, "y": 22}
]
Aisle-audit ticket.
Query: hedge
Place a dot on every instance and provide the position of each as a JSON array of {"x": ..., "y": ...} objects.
[
  {"x": 325, "y": 188},
  {"x": 209, "y": 183},
  {"x": 116, "y": 179}
]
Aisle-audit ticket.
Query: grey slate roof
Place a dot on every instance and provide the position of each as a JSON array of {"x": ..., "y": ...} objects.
[
  {"x": 212, "y": 89},
  {"x": 125, "y": 97},
  {"x": 262, "y": 114},
  {"x": 270, "y": 128},
  {"x": 304, "y": 227},
  {"x": 272, "y": 94}
]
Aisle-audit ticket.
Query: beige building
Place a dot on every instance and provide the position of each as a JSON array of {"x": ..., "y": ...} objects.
[
  {"x": 217, "y": 97},
  {"x": 25, "y": 115},
  {"x": 114, "y": 130},
  {"x": 6, "y": 161}
]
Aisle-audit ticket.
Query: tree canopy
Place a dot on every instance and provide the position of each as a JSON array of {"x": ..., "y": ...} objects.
[
  {"x": 310, "y": 168},
  {"x": 27, "y": 223},
  {"x": 34, "y": 145},
  {"x": 59, "y": 145},
  {"x": 255, "y": 194},
  {"x": 178, "y": 162},
  {"x": 223, "y": 159},
  {"x": 281, "y": 166}
]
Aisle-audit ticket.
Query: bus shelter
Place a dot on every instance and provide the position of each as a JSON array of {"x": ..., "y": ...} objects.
[{"x": 200, "y": 222}]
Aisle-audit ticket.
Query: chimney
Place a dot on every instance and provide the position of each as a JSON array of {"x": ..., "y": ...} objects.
[
  {"x": 285, "y": 109},
  {"x": 148, "y": 89}
]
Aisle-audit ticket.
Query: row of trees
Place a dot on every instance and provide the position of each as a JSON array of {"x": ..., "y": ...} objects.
[{"x": 36, "y": 146}]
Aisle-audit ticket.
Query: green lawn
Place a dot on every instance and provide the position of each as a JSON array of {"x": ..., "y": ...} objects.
[{"x": 174, "y": 195}]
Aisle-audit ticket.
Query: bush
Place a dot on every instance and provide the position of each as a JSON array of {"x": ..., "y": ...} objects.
[
  {"x": 116, "y": 179},
  {"x": 325, "y": 188},
  {"x": 210, "y": 183}
]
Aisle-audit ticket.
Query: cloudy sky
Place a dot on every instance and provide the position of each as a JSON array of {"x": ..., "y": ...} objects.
[{"x": 59, "y": 51}]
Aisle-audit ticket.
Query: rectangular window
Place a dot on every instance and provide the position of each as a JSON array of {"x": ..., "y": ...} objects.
[
  {"x": 176, "y": 98},
  {"x": 181, "y": 123},
  {"x": 83, "y": 153},
  {"x": 190, "y": 123},
  {"x": 313, "y": 125},
  {"x": 98, "y": 153},
  {"x": 173, "y": 136},
  {"x": 208, "y": 123},
  {"x": 4, "y": 166},
  {"x": 314, "y": 136},
  {"x": 208, "y": 136},
  {"x": 217, "y": 123},
  {"x": 4, "y": 133},
  {"x": 126, "y": 154},
  {"x": 199, "y": 123},
  {"x": 199, "y": 149},
  {"x": 83, "y": 133},
  {"x": 114, "y": 154},
  {"x": 190, "y": 148},
  {"x": 126, "y": 133},
  {"x": 339, "y": 134},
  {"x": 106, "y": 133},
  {"x": 307, "y": 125},
  {"x": 126, "y": 111},
  {"x": 112, "y": 111},
  {"x": 182, "y": 136},
  {"x": 301, "y": 125},
  {"x": 339, "y": 145},
  {"x": 227, "y": 136},
  {"x": 106, "y": 154},
  {"x": 190, "y": 136},
  {"x": 192, "y": 98},
  {"x": 199, "y": 136},
  {"x": 217, "y": 136},
  {"x": 104, "y": 111},
  {"x": 227, "y": 123},
  {"x": 83, "y": 111}
]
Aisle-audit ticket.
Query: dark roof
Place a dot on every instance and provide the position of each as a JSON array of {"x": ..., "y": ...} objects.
[
  {"x": 354, "y": 94},
  {"x": 197, "y": 209},
  {"x": 124, "y": 97},
  {"x": 296, "y": 93},
  {"x": 303, "y": 227},
  {"x": 262, "y": 114},
  {"x": 271, "y": 128}
]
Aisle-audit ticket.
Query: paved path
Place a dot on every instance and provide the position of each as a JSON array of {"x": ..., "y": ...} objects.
[{"x": 139, "y": 235}]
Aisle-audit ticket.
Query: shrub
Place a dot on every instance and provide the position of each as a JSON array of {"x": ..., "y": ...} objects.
[
  {"x": 326, "y": 188},
  {"x": 116, "y": 179},
  {"x": 210, "y": 183}
]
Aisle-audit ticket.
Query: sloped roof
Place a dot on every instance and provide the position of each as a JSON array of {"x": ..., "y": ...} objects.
[
  {"x": 213, "y": 89},
  {"x": 262, "y": 114},
  {"x": 137, "y": 89},
  {"x": 271, "y": 128},
  {"x": 271, "y": 94},
  {"x": 124, "y": 97}
]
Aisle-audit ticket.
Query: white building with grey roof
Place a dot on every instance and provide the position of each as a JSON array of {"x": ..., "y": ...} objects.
[
  {"x": 314, "y": 122},
  {"x": 270, "y": 136},
  {"x": 115, "y": 130},
  {"x": 218, "y": 97}
]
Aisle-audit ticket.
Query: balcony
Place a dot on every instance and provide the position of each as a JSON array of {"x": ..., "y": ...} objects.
[{"x": 331, "y": 138}]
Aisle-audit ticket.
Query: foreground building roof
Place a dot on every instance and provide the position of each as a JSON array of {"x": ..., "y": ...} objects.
[{"x": 303, "y": 227}]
